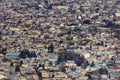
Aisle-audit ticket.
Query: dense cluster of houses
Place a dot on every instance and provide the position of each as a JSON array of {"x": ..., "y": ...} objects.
[{"x": 59, "y": 39}]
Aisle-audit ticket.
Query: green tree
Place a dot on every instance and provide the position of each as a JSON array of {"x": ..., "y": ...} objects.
[
  {"x": 51, "y": 48},
  {"x": 17, "y": 69}
]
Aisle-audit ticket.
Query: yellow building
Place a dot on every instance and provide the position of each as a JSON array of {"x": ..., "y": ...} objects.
[
  {"x": 117, "y": 14},
  {"x": 60, "y": 75},
  {"x": 60, "y": 7},
  {"x": 118, "y": 22},
  {"x": 14, "y": 29},
  {"x": 45, "y": 75}
]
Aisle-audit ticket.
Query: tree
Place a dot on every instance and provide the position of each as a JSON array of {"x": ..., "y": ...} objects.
[
  {"x": 103, "y": 71},
  {"x": 85, "y": 64},
  {"x": 27, "y": 25},
  {"x": 22, "y": 54},
  {"x": 82, "y": 9},
  {"x": 5, "y": 59},
  {"x": 4, "y": 51},
  {"x": 50, "y": 63},
  {"x": 63, "y": 69},
  {"x": 92, "y": 64},
  {"x": 46, "y": 2},
  {"x": 32, "y": 54},
  {"x": 37, "y": 7},
  {"x": 59, "y": 60},
  {"x": 40, "y": 75},
  {"x": 97, "y": 10},
  {"x": 21, "y": 62},
  {"x": 27, "y": 52},
  {"x": 89, "y": 76},
  {"x": 19, "y": 22},
  {"x": 49, "y": 6},
  {"x": 11, "y": 64},
  {"x": 86, "y": 21},
  {"x": 51, "y": 48},
  {"x": 109, "y": 24},
  {"x": 17, "y": 69},
  {"x": 45, "y": 47}
]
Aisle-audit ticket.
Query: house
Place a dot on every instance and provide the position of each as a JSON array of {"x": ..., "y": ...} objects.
[
  {"x": 117, "y": 14},
  {"x": 74, "y": 74},
  {"x": 70, "y": 63},
  {"x": 117, "y": 22},
  {"x": 59, "y": 7},
  {"x": 1, "y": 55},
  {"x": 83, "y": 77},
  {"x": 14, "y": 29},
  {"x": 45, "y": 74},
  {"x": 60, "y": 75},
  {"x": 2, "y": 77}
]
